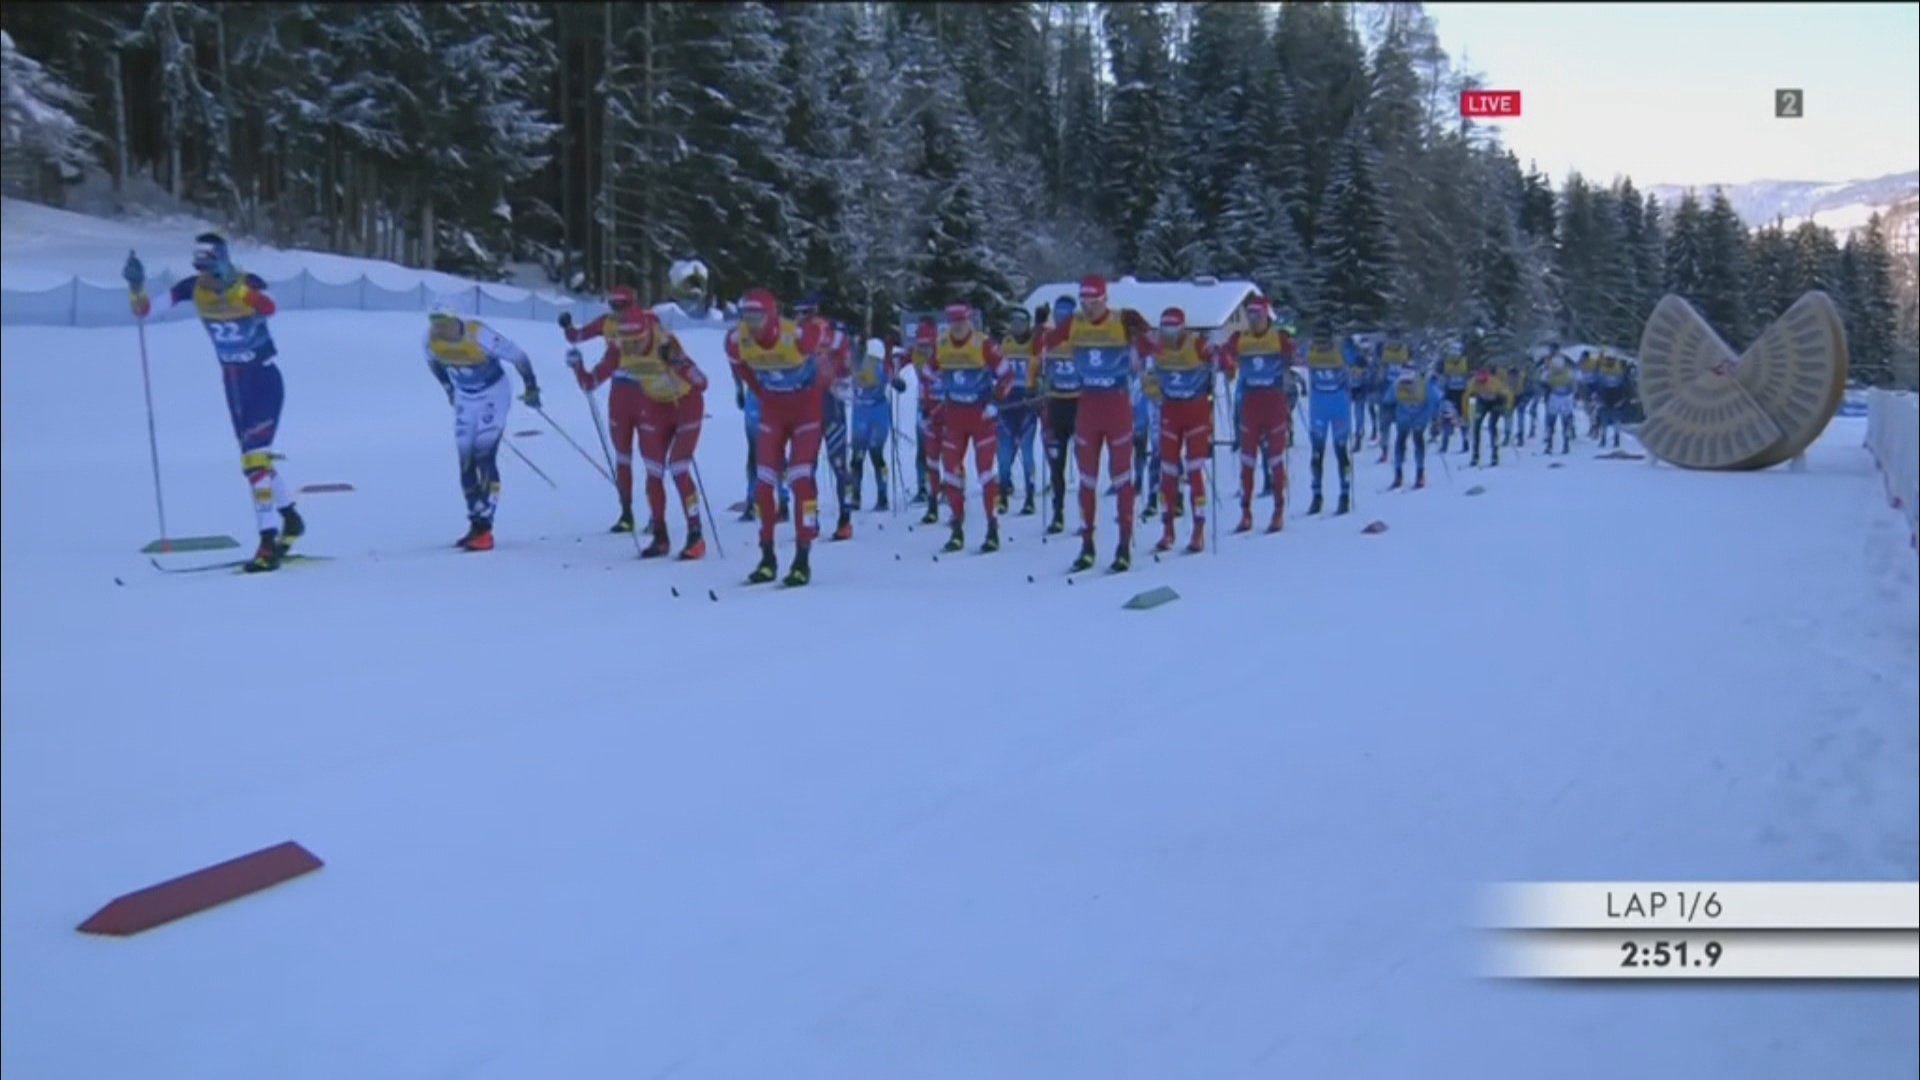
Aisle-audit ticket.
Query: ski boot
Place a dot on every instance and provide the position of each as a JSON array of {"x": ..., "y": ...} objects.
[
  {"x": 919, "y": 497},
  {"x": 1382, "y": 459},
  {"x": 1314, "y": 506},
  {"x": 932, "y": 516},
  {"x": 768, "y": 569},
  {"x": 479, "y": 536},
  {"x": 1199, "y": 542},
  {"x": 1122, "y": 558},
  {"x": 1246, "y": 518},
  {"x": 749, "y": 513},
  {"x": 267, "y": 556},
  {"x": 880, "y": 504},
  {"x": 1474, "y": 463},
  {"x": 992, "y": 543},
  {"x": 1001, "y": 500},
  {"x": 659, "y": 545},
  {"x": 292, "y": 527},
  {"x": 958, "y": 540},
  {"x": 696, "y": 545},
  {"x": 1344, "y": 505},
  {"x": 1419, "y": 479},
  {"x": 1166, "y": 541},
  {"x": 1278, "y": 522},
  {"x": 799, "y": 573},
  {"x": 1398, "y": 479},
  {"x": 625, "y": 522},
  {"x": 1086, "y": 559},
  {"x": 843, "y": 529},
  {"x": 1493, "y": 460},
  {"x": 1026, "y": 505},
  {"x": 1059, "y": 523}
]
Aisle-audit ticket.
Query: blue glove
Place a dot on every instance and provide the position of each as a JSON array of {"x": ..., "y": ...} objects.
[
  {"x": 531, "y": 397},
  {"x": 135, "y": 273},
  {"x": 899, "y": 385}
]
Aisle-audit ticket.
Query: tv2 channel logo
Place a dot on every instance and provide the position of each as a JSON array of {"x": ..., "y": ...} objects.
[{"x": 1490, "y": 104}]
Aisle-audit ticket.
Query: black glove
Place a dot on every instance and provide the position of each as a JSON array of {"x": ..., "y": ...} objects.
[
  {"x": 739, "y": 396},
  {"x": 566, "y": 320}
]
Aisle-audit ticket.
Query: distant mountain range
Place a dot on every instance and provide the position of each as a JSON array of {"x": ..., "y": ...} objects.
[{"x": 1842, "y": 207}]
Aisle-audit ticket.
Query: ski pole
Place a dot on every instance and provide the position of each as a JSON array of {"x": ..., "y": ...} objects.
[
  {"x": 153, "y": 436},
  {"x": 562, "y": 432},
  {"x": 529, "y": 463},
  {"x": 713, "y": 523}
]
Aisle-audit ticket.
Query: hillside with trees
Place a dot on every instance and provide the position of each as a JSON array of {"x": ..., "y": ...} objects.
[{"x": 898, "y": 155}]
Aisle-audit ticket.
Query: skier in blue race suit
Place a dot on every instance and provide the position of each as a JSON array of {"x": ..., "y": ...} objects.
[
  {"x": 1019, "y": 413},
  {"x": 1415, "y": 398},
  {"x": 1329, "y": 411},
  {"x": 234, "y": 307},
  {"x": 875, "y": 379}
]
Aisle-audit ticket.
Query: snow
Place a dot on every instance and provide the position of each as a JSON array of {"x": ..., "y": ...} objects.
[
  {"x": 1207, "y": 306},
  {"x": 42, "y": 247},
  {"x": 921, "y": 819}
]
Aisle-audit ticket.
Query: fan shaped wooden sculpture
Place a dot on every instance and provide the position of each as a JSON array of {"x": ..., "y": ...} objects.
[{"x": 1709, "y": 409}]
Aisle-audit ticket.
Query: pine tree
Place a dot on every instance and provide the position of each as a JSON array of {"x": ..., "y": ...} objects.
[
  {"x": 38, "y": 113},
  {"x": 1723, "y": 296},
  {"x": 1353, "y": 251},
  {"x": 1134, "y": 165},
  {"x": 1816, "y": 261},
  {"x": 1872, "y": 310},
  {"x": 1687, "y": 251},
  {"x": 1172, "y": 247}
]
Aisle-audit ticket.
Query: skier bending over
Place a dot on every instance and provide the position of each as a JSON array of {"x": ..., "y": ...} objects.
[
  {"x": 469, "y": 360},
  {"x": 665, "y": 402},
  {"x": 1416, "y": 397},
  {"x": 780, "y": 363}
]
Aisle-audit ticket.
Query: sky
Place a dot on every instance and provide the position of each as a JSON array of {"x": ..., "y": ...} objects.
[{"x": 1677, "y": 93}]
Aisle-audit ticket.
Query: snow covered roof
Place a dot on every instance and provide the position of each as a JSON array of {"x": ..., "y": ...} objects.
[{"x": 1208, "y": 303}]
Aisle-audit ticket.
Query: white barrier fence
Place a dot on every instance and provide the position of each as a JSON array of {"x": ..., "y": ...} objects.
[
  {"x": 1893, "y": 436},
  {"x": 80, "y": 303}
]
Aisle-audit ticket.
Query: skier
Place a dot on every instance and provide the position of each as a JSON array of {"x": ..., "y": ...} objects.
[
  {"x": 1516, "y": 419},
  {"x": 1145, "y": 392},
  {"x": 1610, "y": 393},
  {"x": 1102, "y": 343},
  {"x": 972, "y": 379},
  {"x": 1329, "y": 412},
  {"x": 1019, "y": 415},
  {"x": 1561, "y": 383},
  {"x": 1416, "y": 397},
  {"x": 234, "y": 307},
  {"x": 1488, "y": 399},
  {"x": 1186, "y": 366},
  {"x": 927, "y": 451},
  {"x": 1362, "y": 373},
  {"x": 658, "y": 396},
  {"x": 1260, "y": 358},
  {"x": 780, "y": 364},
  {"x": 1059, "y": 379},
  {"x": 873, "y": 377},
  {"x": 748, "y": 403},
  {"x": 619, "y": 328},
  {"x": 836, "y": 395},
  {"x": 1455, "y": 372},
  {"x": 1396, "y": 359},
  {"x": 690, "y": 303},
  {"x": 469, "y": 360}
]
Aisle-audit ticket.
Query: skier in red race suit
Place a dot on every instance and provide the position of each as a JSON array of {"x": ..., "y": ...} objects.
[
  {"x": 1185, "y": 365},
  {"x": 1264, "y": 355},
  {"x": 972, "y": 376},
  {"x": 1103, "y": 344},
  {"x": 782, "y": 365},
  {"x": 658, "y": 393}
]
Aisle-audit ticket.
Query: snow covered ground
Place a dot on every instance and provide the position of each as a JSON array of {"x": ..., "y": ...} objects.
[{"x": 920, "y": 820}]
